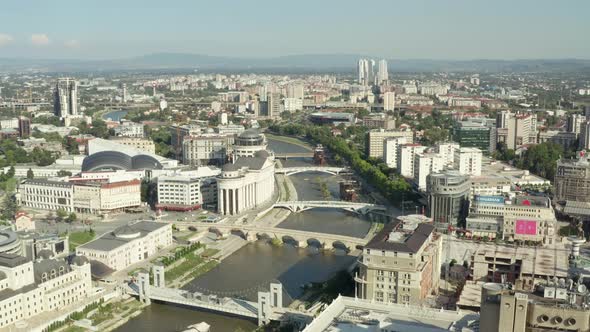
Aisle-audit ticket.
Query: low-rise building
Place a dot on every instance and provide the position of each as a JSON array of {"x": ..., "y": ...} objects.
[
  {"x": 142, "y": 144},
  {"x": 524, "y": 218},
  {"x": 128, "y": 244},
  {"x": 401, "y": 264},
  {"x": 47, "y": 195},
  {"x": 129, "y": 129},
  {"x": 379, "y": 121},
  {"x": 186, "y": 193}
]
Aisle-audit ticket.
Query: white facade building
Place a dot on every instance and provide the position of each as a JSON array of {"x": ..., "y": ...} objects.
[
  {"x": 47, "y": 195},
  {"x": 248, "y": 143},
  {"x": 246, "y": 184},
  {"x": 129, "y": 244},
  {"x": 293, "y": 104},
  {"x": 405, "y": 158},
  {"x": 468, "y": 161},
  {"x": 389, "y": 101},
  {"x": 129, "y": 129},
  {"x": 424, "y": 164},
  {"x": 32, "y": 288},
  {"x": 447, "y": 152},
  {"x": 185, "y": 193},
  {"x": 206, "y": 149},
  {"x": 382, "y": 73},
  {"x": 390, "y": 150}
]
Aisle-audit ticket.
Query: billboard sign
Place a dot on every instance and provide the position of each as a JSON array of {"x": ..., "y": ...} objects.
[
  {"x": 526, "y": 227},
  {"x": 490, "y": 199}
]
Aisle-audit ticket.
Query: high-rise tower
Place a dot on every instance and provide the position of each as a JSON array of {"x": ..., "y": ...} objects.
[
  {"x": 382, "y": 74},
  {"x": 66, "y": 98}
]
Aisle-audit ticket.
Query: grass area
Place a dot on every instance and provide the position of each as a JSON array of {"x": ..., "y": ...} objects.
[
  {"x": 289, "y": 139},
  {"x": 79, "y": 238},
  {"x": 190, "y": 261},
  {"x": 209, "y": 252},
  {"x": 185, "y": 237},
  {"x": 74, "y": 328},
  {"x": 202, "y": 269}
]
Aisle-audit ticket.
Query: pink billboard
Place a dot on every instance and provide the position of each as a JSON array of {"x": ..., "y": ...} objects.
[{"x": 526, "y": 227}]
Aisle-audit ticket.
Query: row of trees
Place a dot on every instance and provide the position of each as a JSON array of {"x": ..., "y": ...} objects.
[
  {"x": 540, "y": 159},
  {"x": 392, "y": 188}
]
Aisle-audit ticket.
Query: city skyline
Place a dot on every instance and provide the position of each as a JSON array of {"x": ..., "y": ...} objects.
[{"x": 459, "y": 30}]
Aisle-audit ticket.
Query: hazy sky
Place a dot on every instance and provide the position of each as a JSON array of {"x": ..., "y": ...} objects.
[{"x": 431, "y": 29}]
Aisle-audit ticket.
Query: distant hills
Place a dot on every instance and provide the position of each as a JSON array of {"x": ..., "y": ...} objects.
[{"x": 287, "y": 64}]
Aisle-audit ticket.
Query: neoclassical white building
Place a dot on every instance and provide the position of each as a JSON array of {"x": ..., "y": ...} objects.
[
  {"x": 30, "y": 288},
  {"x": 128, "y": 244},
  {"x": 246, "y": 184}
]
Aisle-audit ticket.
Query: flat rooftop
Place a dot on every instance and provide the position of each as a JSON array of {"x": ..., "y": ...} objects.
[{"x": 123, "y": 235}]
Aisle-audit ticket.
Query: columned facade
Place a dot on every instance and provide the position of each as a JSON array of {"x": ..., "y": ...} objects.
[{"x": 246, "y": 184}]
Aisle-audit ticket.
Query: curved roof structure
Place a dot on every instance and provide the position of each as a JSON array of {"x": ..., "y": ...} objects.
[{"x": 115, "y": 160}]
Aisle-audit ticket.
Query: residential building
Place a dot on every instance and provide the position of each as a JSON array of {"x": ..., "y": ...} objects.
[
  {"x": 293, "y": 104},
  {"x": 65, "y": 101},
  {"x": 516, "y": 129},
  {"x": 24, "y": 127},
  {"x": 563, "y": 138},
  {"x": 295, "y": 91},
  {"x": 46, "y": 285},
  {"x": 431, "y": 89},
  {"x": 382, "y": 72},
  {"x": 572, "y": 180},
  {"x": 179, "y": 132},
  {"x": 129, "y": 129},
  {"x": 365, "y": 72},
  {"x": 379, "y": 121},
  {"x": 448, "y": 198},
  {"x": 391, "y": 149},
  {"x": 389, "y": 101},
  {"x": 447, "y": 151},
  {"x": 375, "y": 139},
  {"x": 401, "y": 264},
  {"x": 406, "y": 156},
  {"x": 128, "y": 245},
  {"x": 468, "y": 161},
  {"x": 425, "y": 164},
  {"x": 142, "y": 144},
  {"x": 584, "y": 136},
  {"x": 575, "y": 122},
  {"x": 274, "y": 105},
  {"x": 247, "y": 183}
]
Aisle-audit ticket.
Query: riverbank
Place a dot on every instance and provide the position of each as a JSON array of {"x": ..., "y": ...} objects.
[{"x": 290, "y": 140}]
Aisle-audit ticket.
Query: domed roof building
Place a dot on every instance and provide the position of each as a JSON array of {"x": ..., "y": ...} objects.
[{"x": 249, "y": 142}]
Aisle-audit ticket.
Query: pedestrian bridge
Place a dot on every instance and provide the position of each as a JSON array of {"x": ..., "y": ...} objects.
[
  {"x": 269, "y": 306},
  {"x": 299, "y": 206},
  {"x": 294, "y": 170}
]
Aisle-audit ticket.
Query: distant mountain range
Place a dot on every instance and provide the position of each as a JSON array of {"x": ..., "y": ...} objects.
[{"x": 287, "y": 64}]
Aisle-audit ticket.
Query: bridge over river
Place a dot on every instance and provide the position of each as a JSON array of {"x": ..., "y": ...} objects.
[{"x": 269, "y": 306}]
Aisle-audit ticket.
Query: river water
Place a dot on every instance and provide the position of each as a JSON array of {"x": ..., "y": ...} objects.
[
  {"x": 254, "y": 266},
  {"x": 115, "y": 115}
]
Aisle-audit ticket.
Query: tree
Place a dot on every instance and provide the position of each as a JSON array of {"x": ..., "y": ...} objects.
[
  {"x": 61, "y": 214},
  {"x": 30, "y": 174},
  {"x": 63, "y": 173},
  {"x": 10, "y": 207},
  {"x": 541, "y": 159},
  {"x": 71, "y": 217}
]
